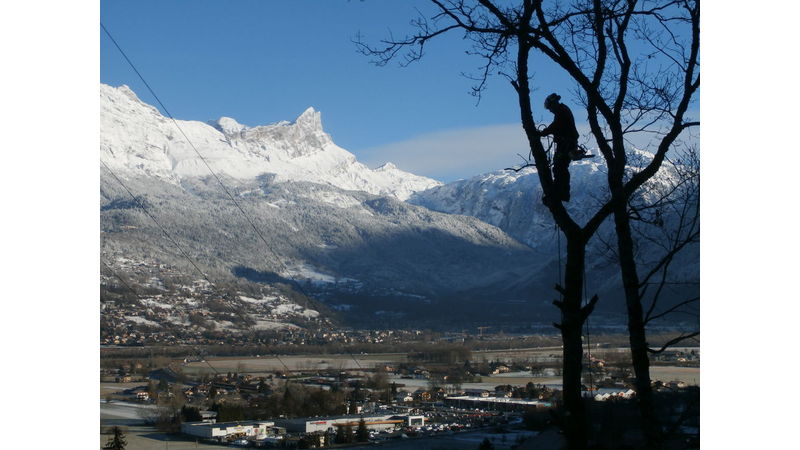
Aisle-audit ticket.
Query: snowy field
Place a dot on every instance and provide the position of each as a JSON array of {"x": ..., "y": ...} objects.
[
  {"x": 689, "y": 375},
  {"x": 142, "y": 437},
  {"x": 272, "y": 363}
]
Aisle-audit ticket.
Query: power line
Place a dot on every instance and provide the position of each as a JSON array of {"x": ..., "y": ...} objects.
[
  {"x": 125, "y": 283},
  {"x": 230, "y": 308},
  {"x": 173, "y": 241},
  {"x": 205, "y": 162},
  {"x": 141, "y": 298},
  {"x": 278, "y": 260},
  {"x": 163, "y": 230}
]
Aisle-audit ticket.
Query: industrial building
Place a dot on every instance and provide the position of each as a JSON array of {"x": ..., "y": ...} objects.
[
  {"x": 375, "y": 422},
  {"x": 226, "y": 431},
  {"x": 494, "y": 403}
]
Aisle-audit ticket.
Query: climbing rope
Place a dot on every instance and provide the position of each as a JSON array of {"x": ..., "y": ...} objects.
[
  {"x": 588, "y": 341},
  {"x": 558, "y": 237}
]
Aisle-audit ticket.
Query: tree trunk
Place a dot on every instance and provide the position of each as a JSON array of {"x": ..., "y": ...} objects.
[
  {"x": 571, "y": 326},
  {"x": 636, "y": 325},
  {"x": 572, "y": 316}
]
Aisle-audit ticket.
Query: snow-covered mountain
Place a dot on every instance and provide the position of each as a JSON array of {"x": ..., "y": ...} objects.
[
  {"x": 330, "y": 223},
  {"x": 512, "y": 202},
  {"x": 382, "y": 245},
  {"x": 137, "y": 140}
]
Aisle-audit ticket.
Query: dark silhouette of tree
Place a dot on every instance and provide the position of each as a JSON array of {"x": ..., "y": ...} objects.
[
  {"x": 303, "y": 442},
  {"x": 358, "y": 392},
  {"x": 362, "y": 434},
  {"x": 667, "y": 224},
  {"x": 605, "y": 47},
  {"x": 230, "y": 413},
  {"x": 191, "y": 414},
  {"x": 341, "y": 437},
  {"x": 117, "y": 441},
  {"x": 486, "y": 445}
]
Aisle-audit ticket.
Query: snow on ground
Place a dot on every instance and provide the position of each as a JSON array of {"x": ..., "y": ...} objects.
[
  {"x": 156, "y": 304},
  {"x": 259, "y": 301},
  {"x": 334, "y": 198},
  {"x": 310, "y": 313},
  {"x": 488, "y": 383},
  {"x": 272, "y": 325},
  {"x": 177, "y": 320},
  {"x": 520, "y": 373},
  {"x": 307, "y": 272},
  {"x": 223, "y": 324},
  {"x": 124, "y": 410},
  {"x": 286, "y": 308},
  {"x": 142, "y": 321}
]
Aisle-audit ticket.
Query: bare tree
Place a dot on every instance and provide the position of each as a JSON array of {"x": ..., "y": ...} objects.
[{"x": 635, "y": 65}]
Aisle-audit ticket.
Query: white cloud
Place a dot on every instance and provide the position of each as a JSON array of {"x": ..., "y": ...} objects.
[
  {"x": 450, "y": 154},
  {"x": 462, "y": 153}
]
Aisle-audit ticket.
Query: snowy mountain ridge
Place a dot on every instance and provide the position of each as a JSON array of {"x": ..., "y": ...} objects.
[
  {"x": 137, "y": 140},
  {"x": 329, "y": 224},
  {"x": 381, "y": 244},
  {"x": 512, "y": 202}
]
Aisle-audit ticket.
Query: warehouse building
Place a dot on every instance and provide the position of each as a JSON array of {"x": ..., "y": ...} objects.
[
  {"x": 375, "y": 422},
  {"x": 226, "y": 431}
]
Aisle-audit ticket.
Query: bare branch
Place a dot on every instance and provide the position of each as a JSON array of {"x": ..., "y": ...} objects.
[
  {"x": 674, "y": 341},
  {"x": 674, "y": 308}
]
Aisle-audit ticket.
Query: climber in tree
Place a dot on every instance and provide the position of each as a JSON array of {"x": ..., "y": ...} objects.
[{"x": 565, "y": 136}]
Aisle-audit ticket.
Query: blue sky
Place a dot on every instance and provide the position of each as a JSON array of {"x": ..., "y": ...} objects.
[{"x": 264, "y": 61}]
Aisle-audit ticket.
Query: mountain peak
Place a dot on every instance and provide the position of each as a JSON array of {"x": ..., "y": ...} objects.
[
  {"x": 124, "y": 89},
  {"x": 227, "y": 125},
  {"x": 310, "y": 119},
  {"x": 135, "y": 137}
]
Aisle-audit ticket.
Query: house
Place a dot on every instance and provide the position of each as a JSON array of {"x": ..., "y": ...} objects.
[
  {"x": 501, "y": 368},
  {"x": 208, "y": 416},
  {"x": 422, "y": 395},
  {"x": 628, "y": 394},
  {"x": 476, "y": 392},
  {"x": 403, "y": 396},
  {"x": 421, "y": 374},
  {"x": 615, "y": 395},
  {"x": 676, "y": 384}
]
